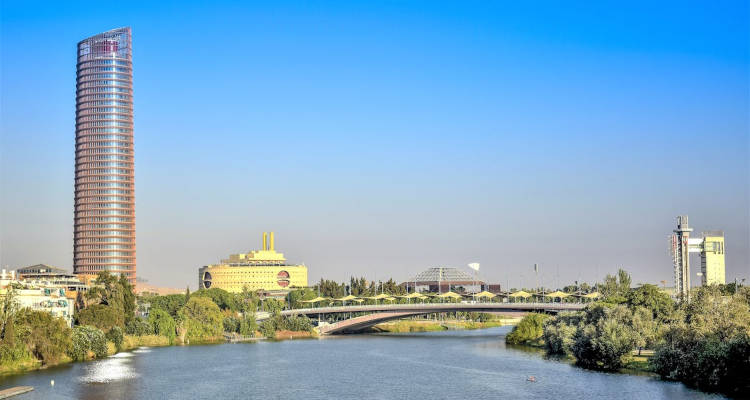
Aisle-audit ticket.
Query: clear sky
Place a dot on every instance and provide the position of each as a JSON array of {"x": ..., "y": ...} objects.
[{"x": 379, "y": 139}]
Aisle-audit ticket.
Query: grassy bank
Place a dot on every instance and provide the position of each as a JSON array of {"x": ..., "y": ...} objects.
[{"x": 405, "y": 326}]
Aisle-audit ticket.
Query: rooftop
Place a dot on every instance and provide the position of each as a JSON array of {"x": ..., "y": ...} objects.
[{"x": 444, "y": 274}]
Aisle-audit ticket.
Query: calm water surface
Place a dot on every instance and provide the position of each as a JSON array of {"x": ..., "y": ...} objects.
[{"x": 439, "y": 365}]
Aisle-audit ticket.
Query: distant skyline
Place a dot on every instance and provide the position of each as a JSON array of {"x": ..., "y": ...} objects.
[{"x": 380, "y": 140}]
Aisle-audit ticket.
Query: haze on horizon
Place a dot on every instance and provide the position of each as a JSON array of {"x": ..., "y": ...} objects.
[{"x": 381, "y": 140}]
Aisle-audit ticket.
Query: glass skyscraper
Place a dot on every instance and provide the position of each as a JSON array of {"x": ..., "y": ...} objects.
[{"x": 104, "y": 221}]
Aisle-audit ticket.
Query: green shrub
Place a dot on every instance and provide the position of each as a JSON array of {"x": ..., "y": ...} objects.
[
  {"x": 87, "y": 338},
  {"x": 529, "y": 330},
  {"x": 231, "y": 324},
  {"x": 559, "y": 333},
  {"x": 139, "y": 327},
  {"x": 606, "y": 339},
  {"x": 248, "y": 326},
  {"x": 45, "y": 336},
  {"x": 101, "y": 316},
  {"x": 268, "y": 328},
  {"x": 201, "y": 318},
  {"x": 116, "y": 337},
  {"x": 163, "y": 324}
]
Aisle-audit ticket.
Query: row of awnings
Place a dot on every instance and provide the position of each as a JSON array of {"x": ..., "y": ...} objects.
[{"x": 485, "y": 294}]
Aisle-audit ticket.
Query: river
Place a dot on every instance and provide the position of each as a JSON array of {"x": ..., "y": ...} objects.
[{"x": 439, "y": 365}]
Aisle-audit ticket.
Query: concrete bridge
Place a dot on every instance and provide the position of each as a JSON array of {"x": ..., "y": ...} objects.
[{"x": 378, "y": 313}]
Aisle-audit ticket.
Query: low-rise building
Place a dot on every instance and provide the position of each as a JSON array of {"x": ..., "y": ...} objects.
[
  {"x": 256, "y": 270},
  {"x": 46, "y": 275},
  {"x": 38, "y": 295}
]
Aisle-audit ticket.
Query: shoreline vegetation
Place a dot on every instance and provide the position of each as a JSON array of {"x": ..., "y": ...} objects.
[
  {"x": 703, "y": 342},
  {"x": 407, "y": 326}
]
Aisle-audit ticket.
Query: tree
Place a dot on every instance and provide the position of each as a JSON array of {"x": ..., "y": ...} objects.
[
  {"x": 201, "y": 318},
  {"x": 171, "y": 303},
  {"x": 295, "y": 297},
  {"x": 644, "y": 328},
  {"x": 220, "y": 297},
  {"x": 163, "y": 324},
  {"x": 87, "y": 338},
  {"x": 606, "y": 338},
  {"x": 116, "y": 337},
  {"x": 709, "y": 347},
  {"x": 559, "y": 333},
  {"x": 116, "y": 293},
  {"x": 248, "y": 326},
  {"x": 139, "y": 327},
  {"x": 653, "y": 299},
  {"x": 102, "y": 316},
  {"x": 529, "y": 330},
  {"x": 46, "y": 337}
]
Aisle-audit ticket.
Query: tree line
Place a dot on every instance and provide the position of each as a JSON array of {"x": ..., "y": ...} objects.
[{"x": 703, "y": 342}]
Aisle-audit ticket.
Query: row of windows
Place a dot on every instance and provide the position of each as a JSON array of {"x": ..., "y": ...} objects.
[
  {"x": 85, "y": 171},
  {"x": 102, "y": 89},
  {"x": 82, "y": 76},
  {"x": 124, "y": 140},
  {"x": 105, "y": 260},
  {"x": 93, "y": 227},
  {"x": 87, "y": 241},
  {"x": 105, "y": 164},
  {"x": 93, "y": 116},
  {"x": 104, "y": 145},
  {"x": 89, "y": 213},
  {"x": 95, "y": 145},
  {"x": 102, "y": 233},
  {"x": 108, "y": 198},
  {"x": 83, "y": 254},
  {"x": 91, "y": 84},
  {"x": 105, "y": 96},
  {"x": 87, "y": 159},
  {"x": 82, "y": 131},
  {"x": 82, "y": 186},
  {"x": 95, "y": 178},
  {"x": 95, "y": 124},
  {"x": 81, "y": 221},
  {"x": 104, "y": 150},
  {"x": 111, "y": 61},
  {"x": 93, "y": 206},
  {"x": 82, "y": 104},
  {"x": 103, "y": 69},
  {"x": 105, "y": 247},
  {"x": 118, "y": 110}
]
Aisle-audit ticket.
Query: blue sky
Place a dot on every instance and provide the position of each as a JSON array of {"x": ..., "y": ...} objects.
[{"x": 379, "y": 139}]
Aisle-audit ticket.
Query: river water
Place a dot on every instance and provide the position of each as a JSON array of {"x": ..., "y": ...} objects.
[{"x": 438, "y": 365}]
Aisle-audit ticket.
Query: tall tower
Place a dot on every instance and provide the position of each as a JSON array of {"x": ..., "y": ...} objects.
[
  {"x": 104, "y": 219},
  {"x": 680, "y": 257}
]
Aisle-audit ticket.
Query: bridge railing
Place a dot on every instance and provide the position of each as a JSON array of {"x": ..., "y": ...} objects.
[{"x": 440, "y": 307}]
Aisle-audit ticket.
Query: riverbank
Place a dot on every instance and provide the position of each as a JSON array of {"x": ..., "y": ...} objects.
[
  {"x": 129, "y": 342},
  {"x": 406, "y": 326}
]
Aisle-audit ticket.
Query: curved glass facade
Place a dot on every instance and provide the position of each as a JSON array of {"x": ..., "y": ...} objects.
[{"x": 104, "y": 156}]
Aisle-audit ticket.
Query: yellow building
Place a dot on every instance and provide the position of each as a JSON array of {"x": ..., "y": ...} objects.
[
  {"x": 712, "y": 258},
  {"x": 257, "y": 270}
]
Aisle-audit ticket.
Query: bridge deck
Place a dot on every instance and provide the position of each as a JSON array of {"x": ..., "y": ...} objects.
[{"x": 440, "y": 307}]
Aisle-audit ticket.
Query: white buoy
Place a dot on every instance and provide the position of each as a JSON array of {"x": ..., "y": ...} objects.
[{"x": 52, "y": 382}]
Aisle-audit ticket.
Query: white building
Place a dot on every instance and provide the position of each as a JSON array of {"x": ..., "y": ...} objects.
[{"x": 38, "y": 296}]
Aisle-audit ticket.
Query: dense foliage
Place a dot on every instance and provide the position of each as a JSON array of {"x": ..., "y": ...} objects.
[
  {"x": 280, "y": 323},
  {"x": 528, "y": 331},
  {"x": 709, "y": 347},
  {"x": 87, "y": 339},
  {"x": 162, "y": 324},
  {"x": 201, "y": 319}
]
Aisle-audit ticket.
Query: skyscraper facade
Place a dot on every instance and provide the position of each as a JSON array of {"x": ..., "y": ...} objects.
[{"x": 104, "y": 220}]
